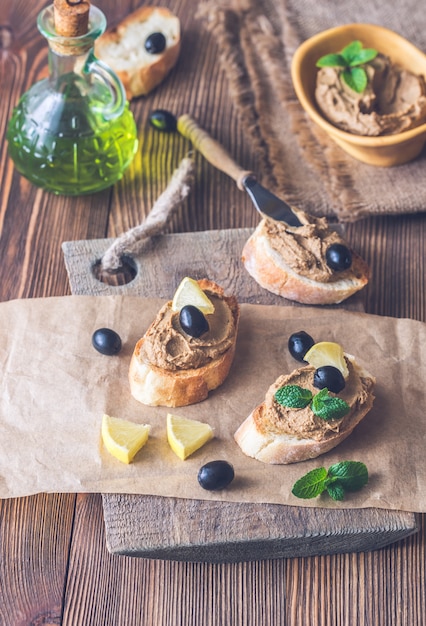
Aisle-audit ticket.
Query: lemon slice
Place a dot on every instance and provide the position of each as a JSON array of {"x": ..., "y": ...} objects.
[
  {"x": 185, "y": 436},
  {"x": 327, "y": 353},
  {"x": 190, "y": 292},
  {"x": 123, "y": 439}
]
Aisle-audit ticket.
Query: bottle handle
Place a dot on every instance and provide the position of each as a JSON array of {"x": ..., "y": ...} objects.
[{"x": 103, "y": 73}]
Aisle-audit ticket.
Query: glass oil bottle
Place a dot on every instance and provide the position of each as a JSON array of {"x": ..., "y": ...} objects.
[{"x": 73, "y": 133}]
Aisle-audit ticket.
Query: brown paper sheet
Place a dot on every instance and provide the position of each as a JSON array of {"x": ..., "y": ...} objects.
[{"x": 54, "y": 389}]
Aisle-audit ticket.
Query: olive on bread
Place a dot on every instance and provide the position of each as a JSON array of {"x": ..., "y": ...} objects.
[
  {"x": 310, "y": 264},
  {"x": 185, "y": 354},
  {"x": 300, "y": 418},
  {"x": 142, "y": 48}
]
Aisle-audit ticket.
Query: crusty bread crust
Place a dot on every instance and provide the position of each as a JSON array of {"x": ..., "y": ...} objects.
[
  {"x": 155, "y": 386},
  {"x": 270, "y": 271},
  {"x": 122, "y": 48},
  {"x": 273, "y": 448}
]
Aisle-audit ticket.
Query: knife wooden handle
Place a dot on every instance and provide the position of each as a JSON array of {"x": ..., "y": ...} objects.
[{"x": 211, "y": 150}]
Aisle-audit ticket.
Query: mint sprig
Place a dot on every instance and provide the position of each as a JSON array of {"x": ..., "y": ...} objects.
[
  {"x": 340, "y": 478},
  {"x": 351, "y": 59},
  {"x": 323, "y": 405}
]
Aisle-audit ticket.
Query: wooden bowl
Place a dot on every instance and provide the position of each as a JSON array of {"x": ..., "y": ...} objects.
[{"x": 386, "y": 150}]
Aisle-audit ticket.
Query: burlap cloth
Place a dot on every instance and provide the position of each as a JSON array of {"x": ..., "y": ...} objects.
[{"x": 256, "y": 40}]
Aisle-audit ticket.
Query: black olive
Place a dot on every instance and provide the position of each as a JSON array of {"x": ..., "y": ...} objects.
[
  {"x": 163, "y": 120},
  {"x": 216, "y": 475},
  {"x": 338, "y": 257},
  {"x": 193, "y": 321},
  {"x": 106, "y": 341},
  {"x": 330, "y": 377},
  {"x": 299, "y": 343},
  {"x": 155, "y": 43}
]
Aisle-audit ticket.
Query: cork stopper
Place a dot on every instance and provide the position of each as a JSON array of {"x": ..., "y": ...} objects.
[{"x": 71, "y": 17}]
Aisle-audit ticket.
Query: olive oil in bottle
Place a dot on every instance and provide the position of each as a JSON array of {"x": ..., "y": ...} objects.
[{"x": 73, "y": 133}]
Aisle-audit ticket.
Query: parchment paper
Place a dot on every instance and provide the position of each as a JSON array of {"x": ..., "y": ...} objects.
[{"x": 54, "y": 389}]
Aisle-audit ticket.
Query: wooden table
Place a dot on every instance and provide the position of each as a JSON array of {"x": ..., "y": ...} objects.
[{"x": 54, "y": 565}]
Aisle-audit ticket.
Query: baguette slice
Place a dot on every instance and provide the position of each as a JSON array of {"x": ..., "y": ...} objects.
[
  {"x": 123, "y": 49},
  {"x": 270, "y": 447},
  {"x": 154, "y": 386},
  {"x": 271, "y": 272}
]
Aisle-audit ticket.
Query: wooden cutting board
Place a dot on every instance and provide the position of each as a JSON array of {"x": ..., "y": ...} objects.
[{"x": 197, "y": 530}]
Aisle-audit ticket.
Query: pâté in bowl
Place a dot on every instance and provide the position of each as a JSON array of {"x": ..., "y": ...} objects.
[{"x": 397, "y": 133}]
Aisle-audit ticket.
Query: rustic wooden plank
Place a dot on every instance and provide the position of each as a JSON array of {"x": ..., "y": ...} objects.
[
  {"x": 192, "y": 530},
  {"x": 164, "y": 260},
  {"x": 395, "y": 251},
  {"x": 196, "y": 530},
  {"x": 34, "y": 558}
]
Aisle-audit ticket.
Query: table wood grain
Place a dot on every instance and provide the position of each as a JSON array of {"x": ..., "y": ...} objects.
[{"x": 54, "y": 565}]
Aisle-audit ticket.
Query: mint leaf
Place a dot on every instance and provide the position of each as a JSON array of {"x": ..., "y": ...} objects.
[
  {"x": 352, "y": 475},
  {"x": 336, "y": 491},
  {"x": 340, "y": 477},
  {"x": 331, "y": 60},
  {"x": 328, "y": 407},
  {"x": 355, "y": 78},
  {"x": 311, "y": 485},
  {"x": 350, "y": 59},
  {"x": 293, "y": 396},
  {"x": 350, "y": 51},
  {"x": 364, "y": 56}
]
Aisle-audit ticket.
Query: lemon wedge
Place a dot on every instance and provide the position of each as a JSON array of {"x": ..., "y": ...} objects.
[
  {"x": 123, "y": 439},
  {"x": 327, "y": 353},
  {"x": 190, "y": 292},
  {"x": 185, "y": 436}
]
